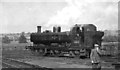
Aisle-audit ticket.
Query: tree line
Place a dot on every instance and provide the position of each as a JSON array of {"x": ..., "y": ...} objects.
[
  {"x": 111, "y": 38},
  {"x": 21, "y": 39}
]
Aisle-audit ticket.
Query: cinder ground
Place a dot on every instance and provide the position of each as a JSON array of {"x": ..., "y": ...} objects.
[{"x": 17, "y": 51}]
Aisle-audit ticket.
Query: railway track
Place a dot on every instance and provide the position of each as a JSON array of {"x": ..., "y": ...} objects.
[{"x": 12, "y": 63}]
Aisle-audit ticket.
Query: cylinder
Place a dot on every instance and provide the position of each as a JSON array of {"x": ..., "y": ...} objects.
[{"x": 38, "y": 29}]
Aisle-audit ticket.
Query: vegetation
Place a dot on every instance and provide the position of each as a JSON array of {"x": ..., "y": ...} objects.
[
  {"x": 111, "y": 38},
  {"x": 22, "y": 38},
  {"x": 5, "y": 39}
]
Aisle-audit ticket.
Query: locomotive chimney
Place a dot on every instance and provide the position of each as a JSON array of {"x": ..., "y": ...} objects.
[
  {"x": 54, "y": 29},
  {"x": 38, "y": 29},
  {"x": 59, "y": 29}
]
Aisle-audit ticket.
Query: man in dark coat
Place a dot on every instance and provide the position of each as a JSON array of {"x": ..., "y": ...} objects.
[{"x": 95, "y": 58}]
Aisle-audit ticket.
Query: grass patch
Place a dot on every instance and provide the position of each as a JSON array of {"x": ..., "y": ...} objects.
[{"x": 15, "y": 50}]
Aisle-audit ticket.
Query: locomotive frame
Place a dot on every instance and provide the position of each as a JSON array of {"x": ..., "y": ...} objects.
[{"x": 77, "y": 42}]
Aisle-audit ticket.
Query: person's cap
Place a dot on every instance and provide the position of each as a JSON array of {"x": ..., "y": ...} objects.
[{"x": 96, "y": 45}]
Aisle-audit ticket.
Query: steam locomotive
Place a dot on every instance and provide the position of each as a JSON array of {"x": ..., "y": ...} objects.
[{"x": 77, "y": 42}]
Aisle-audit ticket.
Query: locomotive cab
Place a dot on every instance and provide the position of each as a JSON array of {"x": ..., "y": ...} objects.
[
  {"x": 76, "y": 36},
  {"x": 85, "y": 36}
]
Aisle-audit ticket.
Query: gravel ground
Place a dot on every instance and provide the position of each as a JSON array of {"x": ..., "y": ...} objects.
[
  {"x": 52, "y": 62},
  {"x": 17, "y": 51}
]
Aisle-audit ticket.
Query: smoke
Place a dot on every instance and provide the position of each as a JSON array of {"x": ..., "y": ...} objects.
[{"x": 103, "y": 14}]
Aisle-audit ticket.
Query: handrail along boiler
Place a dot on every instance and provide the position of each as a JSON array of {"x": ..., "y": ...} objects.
[{"x": 76, "y": 42}]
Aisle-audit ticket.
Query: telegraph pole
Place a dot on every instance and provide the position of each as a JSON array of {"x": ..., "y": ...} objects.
[{"x": 117, "y": 63}]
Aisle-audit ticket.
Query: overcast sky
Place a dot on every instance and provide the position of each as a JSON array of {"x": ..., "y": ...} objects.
[{"x": 26, "y": 15}]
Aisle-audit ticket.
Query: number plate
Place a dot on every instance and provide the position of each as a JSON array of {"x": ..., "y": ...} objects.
[{"x": 76, "y": 41}]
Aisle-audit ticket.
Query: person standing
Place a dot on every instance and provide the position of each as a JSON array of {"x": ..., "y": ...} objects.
[{"x": 95, "y": 58}]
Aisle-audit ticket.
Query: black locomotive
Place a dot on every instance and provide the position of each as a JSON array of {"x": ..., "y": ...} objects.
[{"x": 76, "y": 42}]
